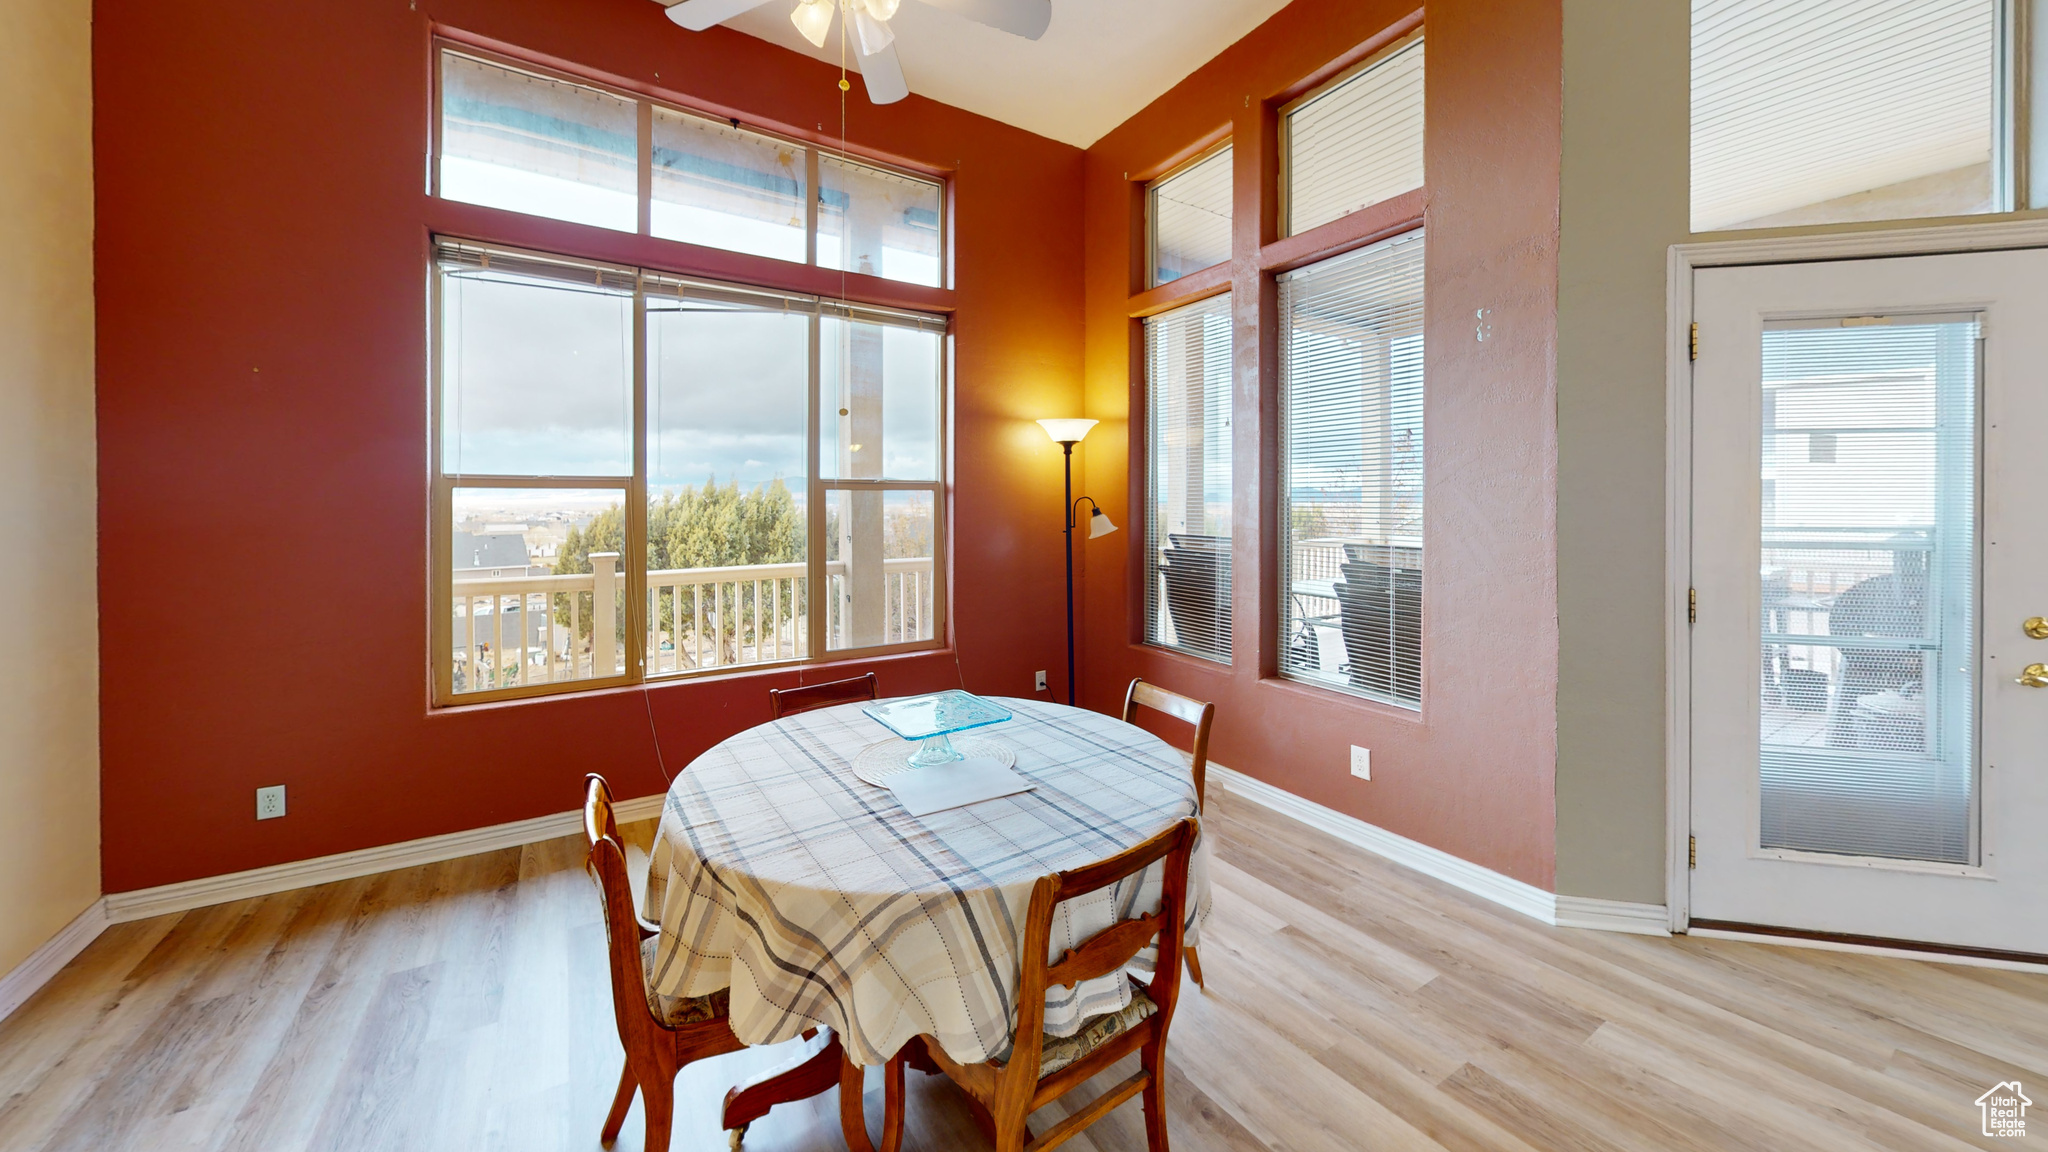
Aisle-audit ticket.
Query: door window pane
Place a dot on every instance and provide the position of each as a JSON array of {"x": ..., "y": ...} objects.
[
  {"x": 1868, "y": 741},
  {"x": 1840, "y": 110},
  {"x": 1188, "y": 214},
  {"x": 880, "y": 575},
  {"x": 537, "y": 586},
  {"x": 527, "y": 143},
  {"x": 877, "y": 222},
  {"x": 537, "y": 369},
  {"x": 1355, "y": 143},
  {"x": 727, "y": 188},
  {"x": 879, "y": 400},
  {"x": 726, "y": 432},
  {"x": 1187, "y": 476},
  {"x": 1351, "y": 471}
]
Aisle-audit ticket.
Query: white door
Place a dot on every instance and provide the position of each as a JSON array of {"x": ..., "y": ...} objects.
[{"x": 1870, "y": 539}]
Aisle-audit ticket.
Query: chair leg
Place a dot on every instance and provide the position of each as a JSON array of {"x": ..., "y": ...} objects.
[
  {"x": 1154, "y": 1061},
  {"x": 1194, "y": 967},
  {"x": 661, "y": 1120},
  {"x": 853, "y": 1115},
  {"x": 621, "y": 1102}
]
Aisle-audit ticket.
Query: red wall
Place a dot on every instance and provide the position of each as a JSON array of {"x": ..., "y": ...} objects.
[
  {"x": 262, "y": 350},
  {"x": 1473, "y": 774}
]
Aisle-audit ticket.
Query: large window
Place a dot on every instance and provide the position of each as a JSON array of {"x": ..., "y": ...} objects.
[
  {"x": 1187, "y": 479},
  {"x": 643, "y": 475},
  {"x": 1840, "y": 110},
  {"x": 1187, "y": 218},
  {"x": 516, "y": 139},
  {"x": 1351, "y": 470},
  {"x": 1354, "y": 142}
]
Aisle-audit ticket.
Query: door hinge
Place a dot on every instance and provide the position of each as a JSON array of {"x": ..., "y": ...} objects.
[
  {"x": 1692, "y": 851},
  {"x": 1692, "y": 605},
  {"x": 1695, "y": 339}
]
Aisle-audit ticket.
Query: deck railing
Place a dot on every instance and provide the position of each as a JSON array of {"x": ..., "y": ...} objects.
[{"x": 520, "y": 630}]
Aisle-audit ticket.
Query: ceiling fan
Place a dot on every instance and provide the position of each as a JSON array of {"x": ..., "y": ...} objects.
[{"x": 872, "y": 41}]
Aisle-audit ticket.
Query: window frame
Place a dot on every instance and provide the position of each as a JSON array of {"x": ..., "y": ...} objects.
[
  {"x": 1284, "y": 504},
  {"x": 645, "y": 106},
  {"x": 1283, "y": 180},
  {"x": 1154, "y": 604},
  {"x": 1151, "y": 214},
  {"x": 634, "y": 488},
  {"x": 1251, "y": 278}
]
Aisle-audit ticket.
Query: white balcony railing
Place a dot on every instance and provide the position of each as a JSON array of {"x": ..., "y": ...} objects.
[{"x": 522, "y": 630}]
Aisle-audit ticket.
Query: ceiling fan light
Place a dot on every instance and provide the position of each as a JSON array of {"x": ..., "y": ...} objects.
[
  {"x": 882, "y": 9},
  {"x": 874, "y": 34},
  {"x": 813, "y": 18}
]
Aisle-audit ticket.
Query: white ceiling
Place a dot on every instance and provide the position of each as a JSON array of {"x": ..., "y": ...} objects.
[{"x": 1099, "y": 62}]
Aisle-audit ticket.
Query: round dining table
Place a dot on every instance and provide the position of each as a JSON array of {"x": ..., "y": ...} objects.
[{"x": 829, "y": 911}]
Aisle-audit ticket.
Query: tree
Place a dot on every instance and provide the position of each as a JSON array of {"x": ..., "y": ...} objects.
[{"x": 710, "y": 527}]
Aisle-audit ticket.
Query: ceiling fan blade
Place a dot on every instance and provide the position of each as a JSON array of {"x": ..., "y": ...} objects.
[
  {"x": 884, "y": 76},
  {"x": 1026, "y": 18},
  {"x": 697, "y": 15}
]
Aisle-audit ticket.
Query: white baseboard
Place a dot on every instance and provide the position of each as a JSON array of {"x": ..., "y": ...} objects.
[
  {"x": 43, "y": 963},
  {"x": 1612, "y": 915},
  {"x": 141, "y": 903},
  {"x": 189, "y": 894},
  {"x": 1508, "y": 892}
]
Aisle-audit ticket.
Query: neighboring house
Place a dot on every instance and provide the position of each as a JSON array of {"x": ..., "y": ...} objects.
[{"x": 481, "y": 556}]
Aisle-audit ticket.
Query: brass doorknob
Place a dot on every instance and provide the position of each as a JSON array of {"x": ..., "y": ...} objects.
[
  {"x": 2035, "y": 627},
  {"x": 2035, "y": 676}
]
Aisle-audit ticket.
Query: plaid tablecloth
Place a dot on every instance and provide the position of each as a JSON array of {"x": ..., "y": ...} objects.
[{"x": 818, "y": 900}]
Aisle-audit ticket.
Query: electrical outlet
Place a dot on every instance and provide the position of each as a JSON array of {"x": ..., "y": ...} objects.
[
  {"x": 1041, "y": 680},
  {"x": 270, "y": 802},
  {"x": 1361, "y": 762}
]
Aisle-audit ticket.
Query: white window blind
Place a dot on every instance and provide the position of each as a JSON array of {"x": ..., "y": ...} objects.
[
  {"x": 1351, "y": 471},
  {"x": 1868, "y": 745},
  {"x": 1839, "y": 110},
  {"x": 527, "y": 143},
  {"x": 1356, "y": 142},
  {"x": 1189, "y": 217},
  {"x": 1187, "y": 475}
]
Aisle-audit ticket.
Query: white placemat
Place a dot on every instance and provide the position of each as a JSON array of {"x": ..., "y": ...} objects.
[{"x": 875, "y": 763}]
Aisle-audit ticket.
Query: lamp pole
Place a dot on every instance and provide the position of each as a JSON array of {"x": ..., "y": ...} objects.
[{"x": 1067, "y": 506}]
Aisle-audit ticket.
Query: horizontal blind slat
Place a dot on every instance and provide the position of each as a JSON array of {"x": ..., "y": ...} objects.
[{"x": 1357, "y": 142}]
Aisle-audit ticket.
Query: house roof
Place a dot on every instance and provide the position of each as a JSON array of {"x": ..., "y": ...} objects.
[{"x": 471, "y": 551}]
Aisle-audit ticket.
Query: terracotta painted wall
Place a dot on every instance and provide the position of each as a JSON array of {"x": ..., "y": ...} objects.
[
  {"x": 1473, "y": 774},
  {"x": 262, "y": 459},
  {"x": 49, "y": 772}
]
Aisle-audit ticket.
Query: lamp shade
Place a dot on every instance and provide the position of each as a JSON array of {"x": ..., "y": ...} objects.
[
  {"x": 1068, "y": 431},
  {"x": 1099, "y": 525}
]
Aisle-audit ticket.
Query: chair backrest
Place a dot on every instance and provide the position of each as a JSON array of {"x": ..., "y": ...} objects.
[
  {"x": 1183, "y": 708},
  {"x": 789, "y": 701},
  {"x": 1110, "y": 950},
  {"x": 606, "y": 864}
]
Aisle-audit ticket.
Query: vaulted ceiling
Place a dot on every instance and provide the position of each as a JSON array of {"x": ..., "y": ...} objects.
[{"x": 1099, "y": 62}]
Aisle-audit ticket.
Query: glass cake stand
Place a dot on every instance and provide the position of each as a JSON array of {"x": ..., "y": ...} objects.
[{"x": 933, "y": 719}]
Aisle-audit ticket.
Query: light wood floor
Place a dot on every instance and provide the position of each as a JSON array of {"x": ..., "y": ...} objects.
[{"x": 1351, "y": 1005}]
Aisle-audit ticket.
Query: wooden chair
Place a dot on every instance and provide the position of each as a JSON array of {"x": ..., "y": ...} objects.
[
  {"x": 1043, "y": 1068},
  {"x": 790, "y": 701},
  {"x": 1194, "y": 712},
  {"x": 660, "y": 1033}
]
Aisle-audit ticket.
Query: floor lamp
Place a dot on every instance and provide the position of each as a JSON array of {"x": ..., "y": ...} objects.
[{"x": 1067, "y": 433}]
